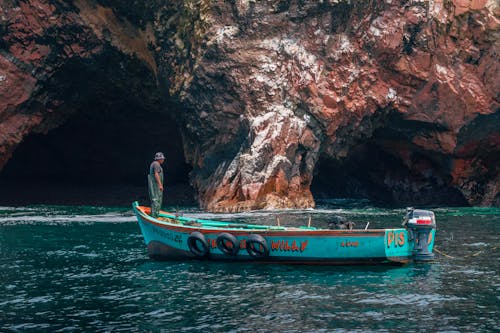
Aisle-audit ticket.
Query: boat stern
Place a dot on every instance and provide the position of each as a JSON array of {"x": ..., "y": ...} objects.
[
  {"x": 415, "y": 241},
  {"x": 421, "y": 226}
]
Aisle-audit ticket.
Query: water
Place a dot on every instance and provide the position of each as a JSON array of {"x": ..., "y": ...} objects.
[{"x": 71, "y": 269}]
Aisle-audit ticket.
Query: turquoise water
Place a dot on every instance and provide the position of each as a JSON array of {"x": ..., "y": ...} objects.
[{"x": 71, "y": 269}]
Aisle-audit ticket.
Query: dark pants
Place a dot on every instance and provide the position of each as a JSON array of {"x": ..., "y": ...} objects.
[{"x": 155, "y": 195}]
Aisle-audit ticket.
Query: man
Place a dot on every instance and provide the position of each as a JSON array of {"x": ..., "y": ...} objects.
[{"x": 155, "y": 183}]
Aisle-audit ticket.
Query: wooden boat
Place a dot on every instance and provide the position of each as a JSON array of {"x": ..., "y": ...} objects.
[{"x": 177, "y": 237}]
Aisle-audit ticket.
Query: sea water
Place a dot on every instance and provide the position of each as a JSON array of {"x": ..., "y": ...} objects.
[{"x": 72, "y": 269}]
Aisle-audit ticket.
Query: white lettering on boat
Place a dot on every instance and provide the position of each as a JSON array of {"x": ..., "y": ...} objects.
[{"x": 169, "y": 236}]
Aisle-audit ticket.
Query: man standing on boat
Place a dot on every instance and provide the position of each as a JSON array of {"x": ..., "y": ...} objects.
[{"x": 155, "y": 183}]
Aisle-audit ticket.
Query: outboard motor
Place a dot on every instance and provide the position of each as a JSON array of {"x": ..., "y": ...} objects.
[{"x": 420, "y": 223}]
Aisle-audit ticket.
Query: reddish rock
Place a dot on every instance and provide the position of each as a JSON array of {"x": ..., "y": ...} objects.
[
  {"x": 378, "y": 62},
  {"x": 269, "y": 89}
]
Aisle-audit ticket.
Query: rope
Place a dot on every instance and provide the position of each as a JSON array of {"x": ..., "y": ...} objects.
[
  {"x": 479, "y": 252},
  {"x": 443, "y": 254},
  {"x": 471, "y": 255}
]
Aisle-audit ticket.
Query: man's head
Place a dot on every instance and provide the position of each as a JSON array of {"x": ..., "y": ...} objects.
[{"x": 159, "y": 157}]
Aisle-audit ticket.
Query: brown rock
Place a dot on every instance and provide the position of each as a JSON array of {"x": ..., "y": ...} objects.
[{"x": 268, "y": 93}]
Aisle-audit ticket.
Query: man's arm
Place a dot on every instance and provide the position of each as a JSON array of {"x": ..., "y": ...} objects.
[{"x": 158, "y": 181}]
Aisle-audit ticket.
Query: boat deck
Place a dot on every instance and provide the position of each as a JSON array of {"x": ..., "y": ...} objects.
[
  {"x": 176, "y": 220},
  {"x": 188, "y": 221}
]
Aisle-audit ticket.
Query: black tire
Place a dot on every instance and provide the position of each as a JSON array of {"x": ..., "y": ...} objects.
[
  {"x": 197, "y": 244},
  {"x": 228, "y": 244},
  {"x": 257, "y": 246}
]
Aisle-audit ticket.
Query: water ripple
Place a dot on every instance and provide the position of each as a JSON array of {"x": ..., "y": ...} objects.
[{"x": 63, "y": 270}]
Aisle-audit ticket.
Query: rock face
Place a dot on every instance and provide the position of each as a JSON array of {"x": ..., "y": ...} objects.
[{"x": 396, "y": 101}]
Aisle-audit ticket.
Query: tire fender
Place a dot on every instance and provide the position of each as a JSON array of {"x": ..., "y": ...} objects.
[
  {"x": 197, "y": 244},
  {"x": 257, "y": 246},
  {"x": 223, "y": 241}
]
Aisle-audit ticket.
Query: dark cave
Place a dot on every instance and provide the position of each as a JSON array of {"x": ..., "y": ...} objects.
[
  {"x": 100, "y": 155},
  {"x": 374, "y": 170},
  {"x": 96, "y": 159}
]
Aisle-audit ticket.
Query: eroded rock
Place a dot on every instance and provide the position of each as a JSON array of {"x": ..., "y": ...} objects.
[{"x": 271, "y": 89}]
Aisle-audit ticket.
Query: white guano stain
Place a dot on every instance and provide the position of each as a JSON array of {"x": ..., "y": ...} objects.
[
  {"x": 391, "y": 94},
  {"x": 441, "y": 70},
  {"x": 227, "y": 31}
]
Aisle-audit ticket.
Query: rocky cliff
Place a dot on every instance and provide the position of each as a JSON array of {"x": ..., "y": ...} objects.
[{"x": 392, "y": 100}]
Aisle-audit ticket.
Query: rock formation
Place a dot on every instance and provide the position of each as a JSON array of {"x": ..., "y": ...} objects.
[{"x": 396, "y": 101}]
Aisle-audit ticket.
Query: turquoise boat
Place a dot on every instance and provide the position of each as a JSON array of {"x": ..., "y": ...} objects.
[{"x": 171, "y": 236}]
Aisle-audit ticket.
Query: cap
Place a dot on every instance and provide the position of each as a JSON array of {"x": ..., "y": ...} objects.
[{"x": 159, "y": 156}]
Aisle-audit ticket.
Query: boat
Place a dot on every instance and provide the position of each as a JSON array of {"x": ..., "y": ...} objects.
[{"x": 171, "y": 236}]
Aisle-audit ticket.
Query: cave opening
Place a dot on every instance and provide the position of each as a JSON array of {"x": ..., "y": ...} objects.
[
  {"x": 99, "y": 154},
  {"x": 97, "y": 159},
  {"x": 388, "y": 170}
]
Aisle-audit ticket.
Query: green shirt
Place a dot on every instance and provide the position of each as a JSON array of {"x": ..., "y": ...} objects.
[{"x": 155, "y": 167}]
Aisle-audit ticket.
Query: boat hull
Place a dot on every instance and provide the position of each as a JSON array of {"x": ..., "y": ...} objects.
[{"x": 168, "y": 241}]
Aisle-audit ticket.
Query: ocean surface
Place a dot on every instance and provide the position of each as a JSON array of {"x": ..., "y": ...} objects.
[{"x": 73, "y": 269}]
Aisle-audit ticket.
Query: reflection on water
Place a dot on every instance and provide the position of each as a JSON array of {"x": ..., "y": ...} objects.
[{"x": 86, "y": 269}]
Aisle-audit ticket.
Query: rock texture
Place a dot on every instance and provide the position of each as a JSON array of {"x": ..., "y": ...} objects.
[{"x": 386, "y": 99}]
